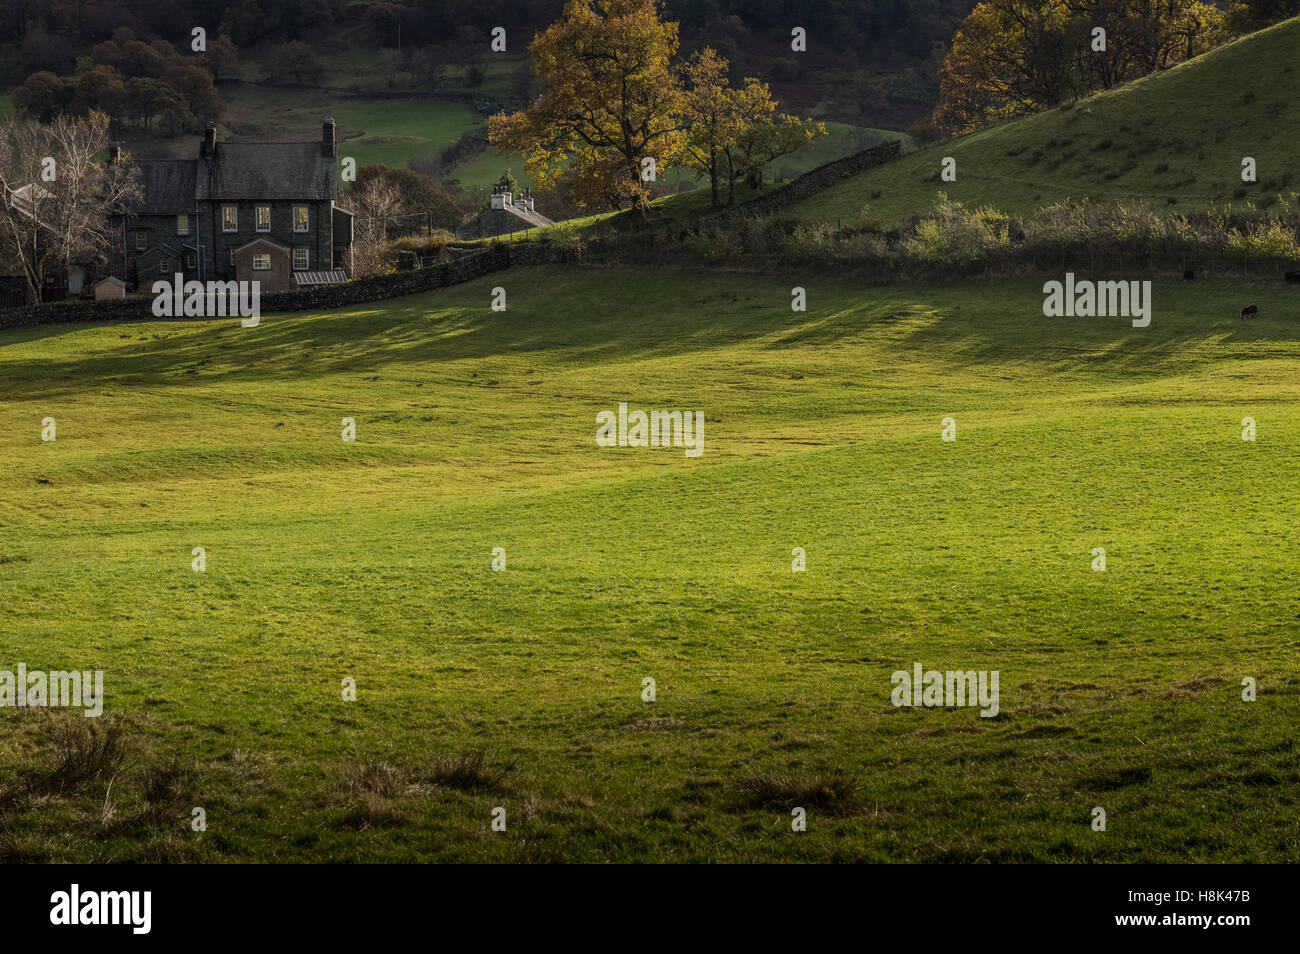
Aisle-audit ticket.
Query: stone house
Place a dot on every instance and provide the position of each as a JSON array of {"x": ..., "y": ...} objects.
[{"x": 271, "y": 206}]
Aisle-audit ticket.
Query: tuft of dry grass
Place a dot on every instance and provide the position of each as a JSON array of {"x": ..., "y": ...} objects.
[
  {"x": 835, "y": 791},
  {"x": 478, "y": 770},
  {"x": 372, "y": 777},
  {"x": 78, "y": 751},
  {"x": 369, "y": 810}
]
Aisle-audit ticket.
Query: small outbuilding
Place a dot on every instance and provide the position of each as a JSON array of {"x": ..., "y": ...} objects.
[
  {"x": 110, "y": 289},
  {"x": 507, "y": 213},
  {"x": 266, "y": 262}
]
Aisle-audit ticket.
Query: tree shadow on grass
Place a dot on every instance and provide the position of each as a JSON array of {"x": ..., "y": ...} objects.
[
  {"x": 1189, "y": 327},
  {"x": 593, "y": 317},
  {"x": 577, "y": 315}
]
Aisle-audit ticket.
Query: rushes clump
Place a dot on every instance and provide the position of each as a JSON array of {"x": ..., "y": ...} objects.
[{"x": 835, "y": 791}]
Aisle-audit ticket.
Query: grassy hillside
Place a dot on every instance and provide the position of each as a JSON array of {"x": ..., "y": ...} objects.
[
  {"x": 371, "y": 130},
  {"x": 1175, "y": 138},
  {"x": 476, "y": 430},
  {"x": 385, "y": 131}
]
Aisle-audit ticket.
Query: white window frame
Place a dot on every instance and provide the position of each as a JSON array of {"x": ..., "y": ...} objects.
[
  {"x": 164, "y": 266},
  {"x": 232, "y": 258},
  {"x": 191, "y": 262},
  {"x": 264, "y": 257},
  {"x": 257, "y": 218},
  {"x": 183, "y": 223},
  {"x": 306, "y": 259},
  {"x": 226, "y": 225},
  {"x": 141, "y": 240},
  {"x": 306, "y": 218}
]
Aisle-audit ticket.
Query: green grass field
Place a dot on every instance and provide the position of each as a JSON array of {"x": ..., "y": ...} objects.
[
  {"x": 475, "y": 430},
  {"x": 369, "y": 130},
  {"x": 1176, "y": 135}
]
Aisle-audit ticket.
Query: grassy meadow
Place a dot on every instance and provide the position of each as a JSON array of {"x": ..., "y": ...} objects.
[{"x": 523, "y": 688}]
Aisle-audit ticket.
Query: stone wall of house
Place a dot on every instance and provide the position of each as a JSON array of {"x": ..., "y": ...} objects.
[{"x": 320, "y": 298}]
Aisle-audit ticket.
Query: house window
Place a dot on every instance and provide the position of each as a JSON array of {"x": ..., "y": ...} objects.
[
  {"x": 261, "y": 263},
  {"x": 191, "y": 262},
  {"x": 164, "y": 266},
  {"x": 301, "y": 258},
  {"x": 300, "y": 218},
  {"x": 232, "y": 258},
  {"x": 229, "y": 218},
  {"x": 141, "y": 241},
  {"x": 182, "y": 224},
  {"x": 263, "y": 218}
]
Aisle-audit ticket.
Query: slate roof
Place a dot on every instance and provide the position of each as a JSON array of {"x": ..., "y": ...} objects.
[
  {"x": 168, "y": 185},
  {"x": 501, "y": 221},
  {"x": 267, "y": 170},
  {"x": 170, "y": 250},
  {"x": 263, "y": 240}
]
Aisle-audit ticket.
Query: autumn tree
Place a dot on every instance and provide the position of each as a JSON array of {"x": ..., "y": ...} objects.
[
  {"x": 138, "y": 58},
  {"x": 42, "y": 96},
  {"x": 1009, "y": 57},
  {"x": 1253, "y": 14},
  {"x": 765, "y": 135},
  {"x": 150, "y": 99},
  {"x": 295, "y": 59},
  {"x": 609, "y": 100},
  {"x": 1012, "y": 57},
  {"x": 221, "y": 58},
  {"x": 712, "y": 111},
  {"x": 194, "y": 85},
  {"x": 162, "y": 84},
  {"x": 1162, "y": 32},
  {"x": 59, "y": 193},
  {"x": 100, "y": 88}
]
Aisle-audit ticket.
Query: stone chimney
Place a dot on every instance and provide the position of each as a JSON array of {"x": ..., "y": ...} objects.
[
  {"x": 209, "y": 145},
  {"x": 328, "y": 146},
  {"x": 498, "y": 200}
]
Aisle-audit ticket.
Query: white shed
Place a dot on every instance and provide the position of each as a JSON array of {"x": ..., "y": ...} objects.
[{"x": 110, "y": 289}]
